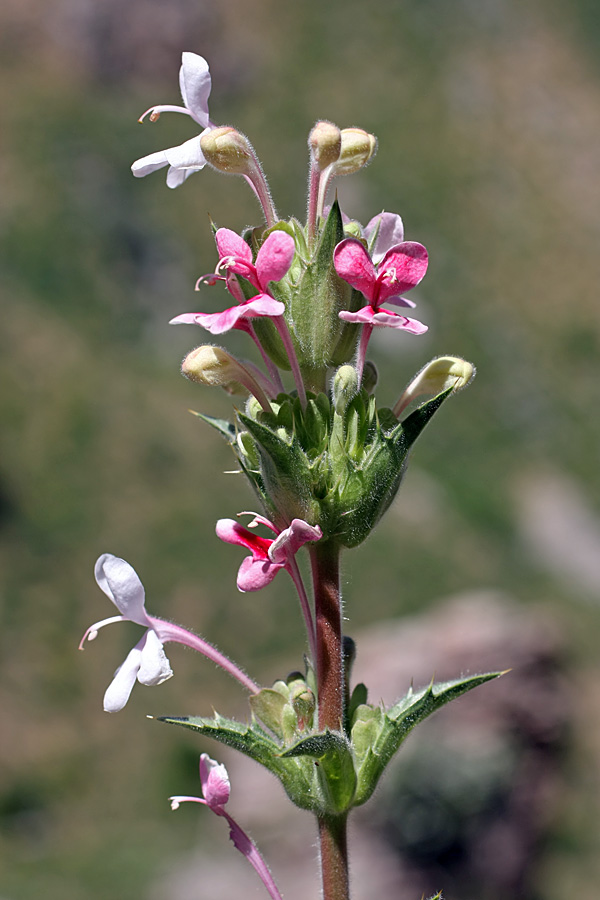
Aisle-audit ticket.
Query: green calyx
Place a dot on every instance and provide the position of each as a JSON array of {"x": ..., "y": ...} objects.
[
  {"x": 314, "y": 295},
  {"x": 337, "y": 465}
]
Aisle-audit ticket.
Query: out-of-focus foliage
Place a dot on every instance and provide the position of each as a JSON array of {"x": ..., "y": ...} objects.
[{"x": 487, "y": 117}]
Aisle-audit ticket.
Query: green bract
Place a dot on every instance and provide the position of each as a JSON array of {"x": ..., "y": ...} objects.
[
  {"x": 337, "y": 470},
  {"x": 328, "y": 772}
]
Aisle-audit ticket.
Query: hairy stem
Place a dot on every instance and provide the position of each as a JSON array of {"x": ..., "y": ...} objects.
[
  {"x": 325, "y": 562},
  {"x": 334, "y": 857}
]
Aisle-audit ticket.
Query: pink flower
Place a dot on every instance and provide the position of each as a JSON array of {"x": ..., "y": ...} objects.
[
  {"x": 215, "y": 788},
  {"x": 187, "y": 158},
  {"x": 401, "y": 268},
  {"x": 383, "y": 232},
  {"x": 268, "y": 555},
  {"x": 272, "y": 263}
]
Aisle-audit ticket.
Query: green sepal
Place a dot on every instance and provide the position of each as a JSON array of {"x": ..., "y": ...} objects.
[
  {"x": 411, "y": 427},
  {"x": 284, "y": 471},
  {"x": 225, "y": 428},
  {"x": 358, "y": 698},
  {"x": 335, "y": 768},
  {"x": 380, "y": 733},
  {"x": 320, "y": 295}
]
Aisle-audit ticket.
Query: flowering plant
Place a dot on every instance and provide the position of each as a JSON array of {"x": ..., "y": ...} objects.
[{"x": 323, "y": 459}]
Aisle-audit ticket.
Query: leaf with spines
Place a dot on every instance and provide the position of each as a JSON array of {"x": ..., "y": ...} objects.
[
  {"x": 388, "y": 729},
  {"x": 298, "y": 774}
]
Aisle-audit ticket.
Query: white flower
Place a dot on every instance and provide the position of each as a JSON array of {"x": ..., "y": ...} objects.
[
  {"x": 147, "y": 662},
  {"x": 187, "y": 158}
]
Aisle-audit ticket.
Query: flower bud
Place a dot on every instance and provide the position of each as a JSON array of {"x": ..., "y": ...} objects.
[
  {"x": 345, "y": 386},
  {"x": 304, "y": 703},
  {"x": 325, "y": 142},
  {"x": 439, "y": 375},
  {"x": 358, "y": 146},
  {"x": 226, "y": 150},
  {"x": 214, "y": 366}
]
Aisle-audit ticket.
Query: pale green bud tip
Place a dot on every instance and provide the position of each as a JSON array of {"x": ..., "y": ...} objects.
[
  {"x": 345, "y": 386},
  {"x": 226, "y": 150},
  {"x": 214, "y": 366},
  {"x": 358, "y": 146},
  {"x": 441, "y": 374},
  {"x": 325, "y": 142}
]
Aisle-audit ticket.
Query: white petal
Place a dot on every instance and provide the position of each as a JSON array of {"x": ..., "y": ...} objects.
[
  {"x": 175, "y": 177},
  {"x": 121, "y": 584},
  {"x": 154, "y": 667},
  {"x": 149, "y": 164},
  {"x": 195, "y": 84},
  {"x": 118, "y": 691},
  {"x": 187, "y": 155}
]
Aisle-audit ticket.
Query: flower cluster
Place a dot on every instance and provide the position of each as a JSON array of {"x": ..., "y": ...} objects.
[{"x": 324, "y": 460}]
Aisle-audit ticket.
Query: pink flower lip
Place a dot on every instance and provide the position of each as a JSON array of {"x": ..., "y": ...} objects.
[{"x": 268, "y": 555}]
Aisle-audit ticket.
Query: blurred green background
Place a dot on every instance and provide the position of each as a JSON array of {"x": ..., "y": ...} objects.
[{"x": 488, "y": 119}]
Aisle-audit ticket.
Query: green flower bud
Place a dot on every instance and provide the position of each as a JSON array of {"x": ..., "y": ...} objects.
[
  {"x": 325, "y": 142},
  {"x": 358, "y": 146},
  {"x": 304, "y": 703},
  {"x": 226, "y": 150},
  {"x": 345, "y": 387}
]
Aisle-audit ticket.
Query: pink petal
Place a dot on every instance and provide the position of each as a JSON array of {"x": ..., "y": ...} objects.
[
  {"x": 291, "y": 539},
  {"x": 232, "y": 532},
  {"x": 256, "y": 573},
  {"x": 230, "y": 244},
  {"x": 393, "y": 320},
  {"x": 402, "y": 267},
  {"x": 381, "y": 317},
  {"x": 215, "y": 781},
  {"x": 390, "y": 231},
  {"x": 362, "y": 316},
  {"x": 274, "y": 257},
  {"x": 184, "y": 319},
  {"x": 401, "y": 301},
  {"x": 195, "y": 84},
  {"x": 353, "y": 264},
  {"x": 218, "y": 323}
]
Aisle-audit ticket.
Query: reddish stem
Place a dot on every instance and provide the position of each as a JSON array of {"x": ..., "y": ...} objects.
[{"x": 325, "y": 562}]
